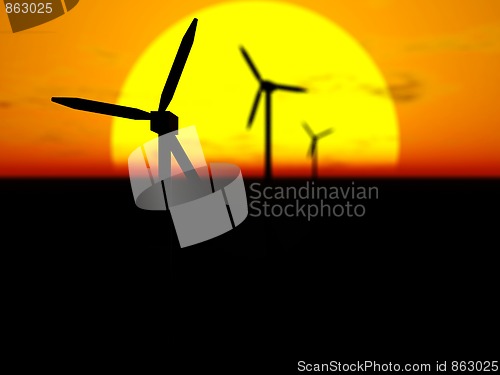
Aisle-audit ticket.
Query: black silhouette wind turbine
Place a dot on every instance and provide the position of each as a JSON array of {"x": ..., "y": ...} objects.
[
  {"x": 162, "y": 121},
  {"x": 313, "y": 150},
  {"x": 268, "y": 87}
]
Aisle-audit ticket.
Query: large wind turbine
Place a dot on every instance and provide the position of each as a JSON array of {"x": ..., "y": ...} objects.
[
  {"x": 313, "y": 150},
  {"x": 161, "y": 121},
  {"x": 268, "y": 87}
]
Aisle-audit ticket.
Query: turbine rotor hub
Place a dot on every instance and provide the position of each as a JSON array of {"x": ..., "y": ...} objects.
[
  {"x": 164, "y": 122},
  {"x": 268, "y": 86}
]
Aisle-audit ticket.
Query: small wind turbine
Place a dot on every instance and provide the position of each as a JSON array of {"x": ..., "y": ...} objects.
[
  {"x": 313, "y": 150},
  {"x": 268, "y": 87},
  {"x": 162, "y": 121}
]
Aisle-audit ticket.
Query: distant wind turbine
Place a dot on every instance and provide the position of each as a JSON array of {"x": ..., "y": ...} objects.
[
  {"x": 313, "y": 150},
  {"x": 268, "y": 87}
]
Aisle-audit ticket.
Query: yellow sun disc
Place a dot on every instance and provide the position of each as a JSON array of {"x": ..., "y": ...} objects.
[{"x": 289, "y": 45}]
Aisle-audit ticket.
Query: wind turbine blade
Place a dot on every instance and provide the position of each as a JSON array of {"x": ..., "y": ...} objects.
[
  {"x": 308, "y": 129},
  {"x": 103, "y": 108},
  {"x": 290, "y": 88},
  {"x": 313, "y": 147},
  {"x": 254, "y": 108},
  {"x": 325, "y": 133},
  {"x": 178, "y": 66},
  {"x": 251, "y": 64}
]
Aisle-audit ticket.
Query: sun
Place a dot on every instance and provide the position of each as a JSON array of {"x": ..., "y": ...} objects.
[{"x": 289, "y": 44}]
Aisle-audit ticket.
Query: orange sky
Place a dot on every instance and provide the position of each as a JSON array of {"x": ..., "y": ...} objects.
[{"x": 441, "y": 59}]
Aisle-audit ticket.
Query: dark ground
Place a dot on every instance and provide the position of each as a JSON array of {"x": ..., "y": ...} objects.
[{"x": 416, "y": 277}]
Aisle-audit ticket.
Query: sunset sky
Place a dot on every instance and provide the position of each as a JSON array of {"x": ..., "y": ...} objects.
[{"x": 440, "y": 61}]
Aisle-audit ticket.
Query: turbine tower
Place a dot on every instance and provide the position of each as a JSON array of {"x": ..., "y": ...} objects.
[
  {"x": 313, "y": 150},
  {"x": 268, "y": 87}
]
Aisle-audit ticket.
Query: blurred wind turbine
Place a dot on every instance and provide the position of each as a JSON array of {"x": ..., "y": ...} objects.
[
  {"x": 268, "y": 87},
  {"x": 313, "y": 150}
]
